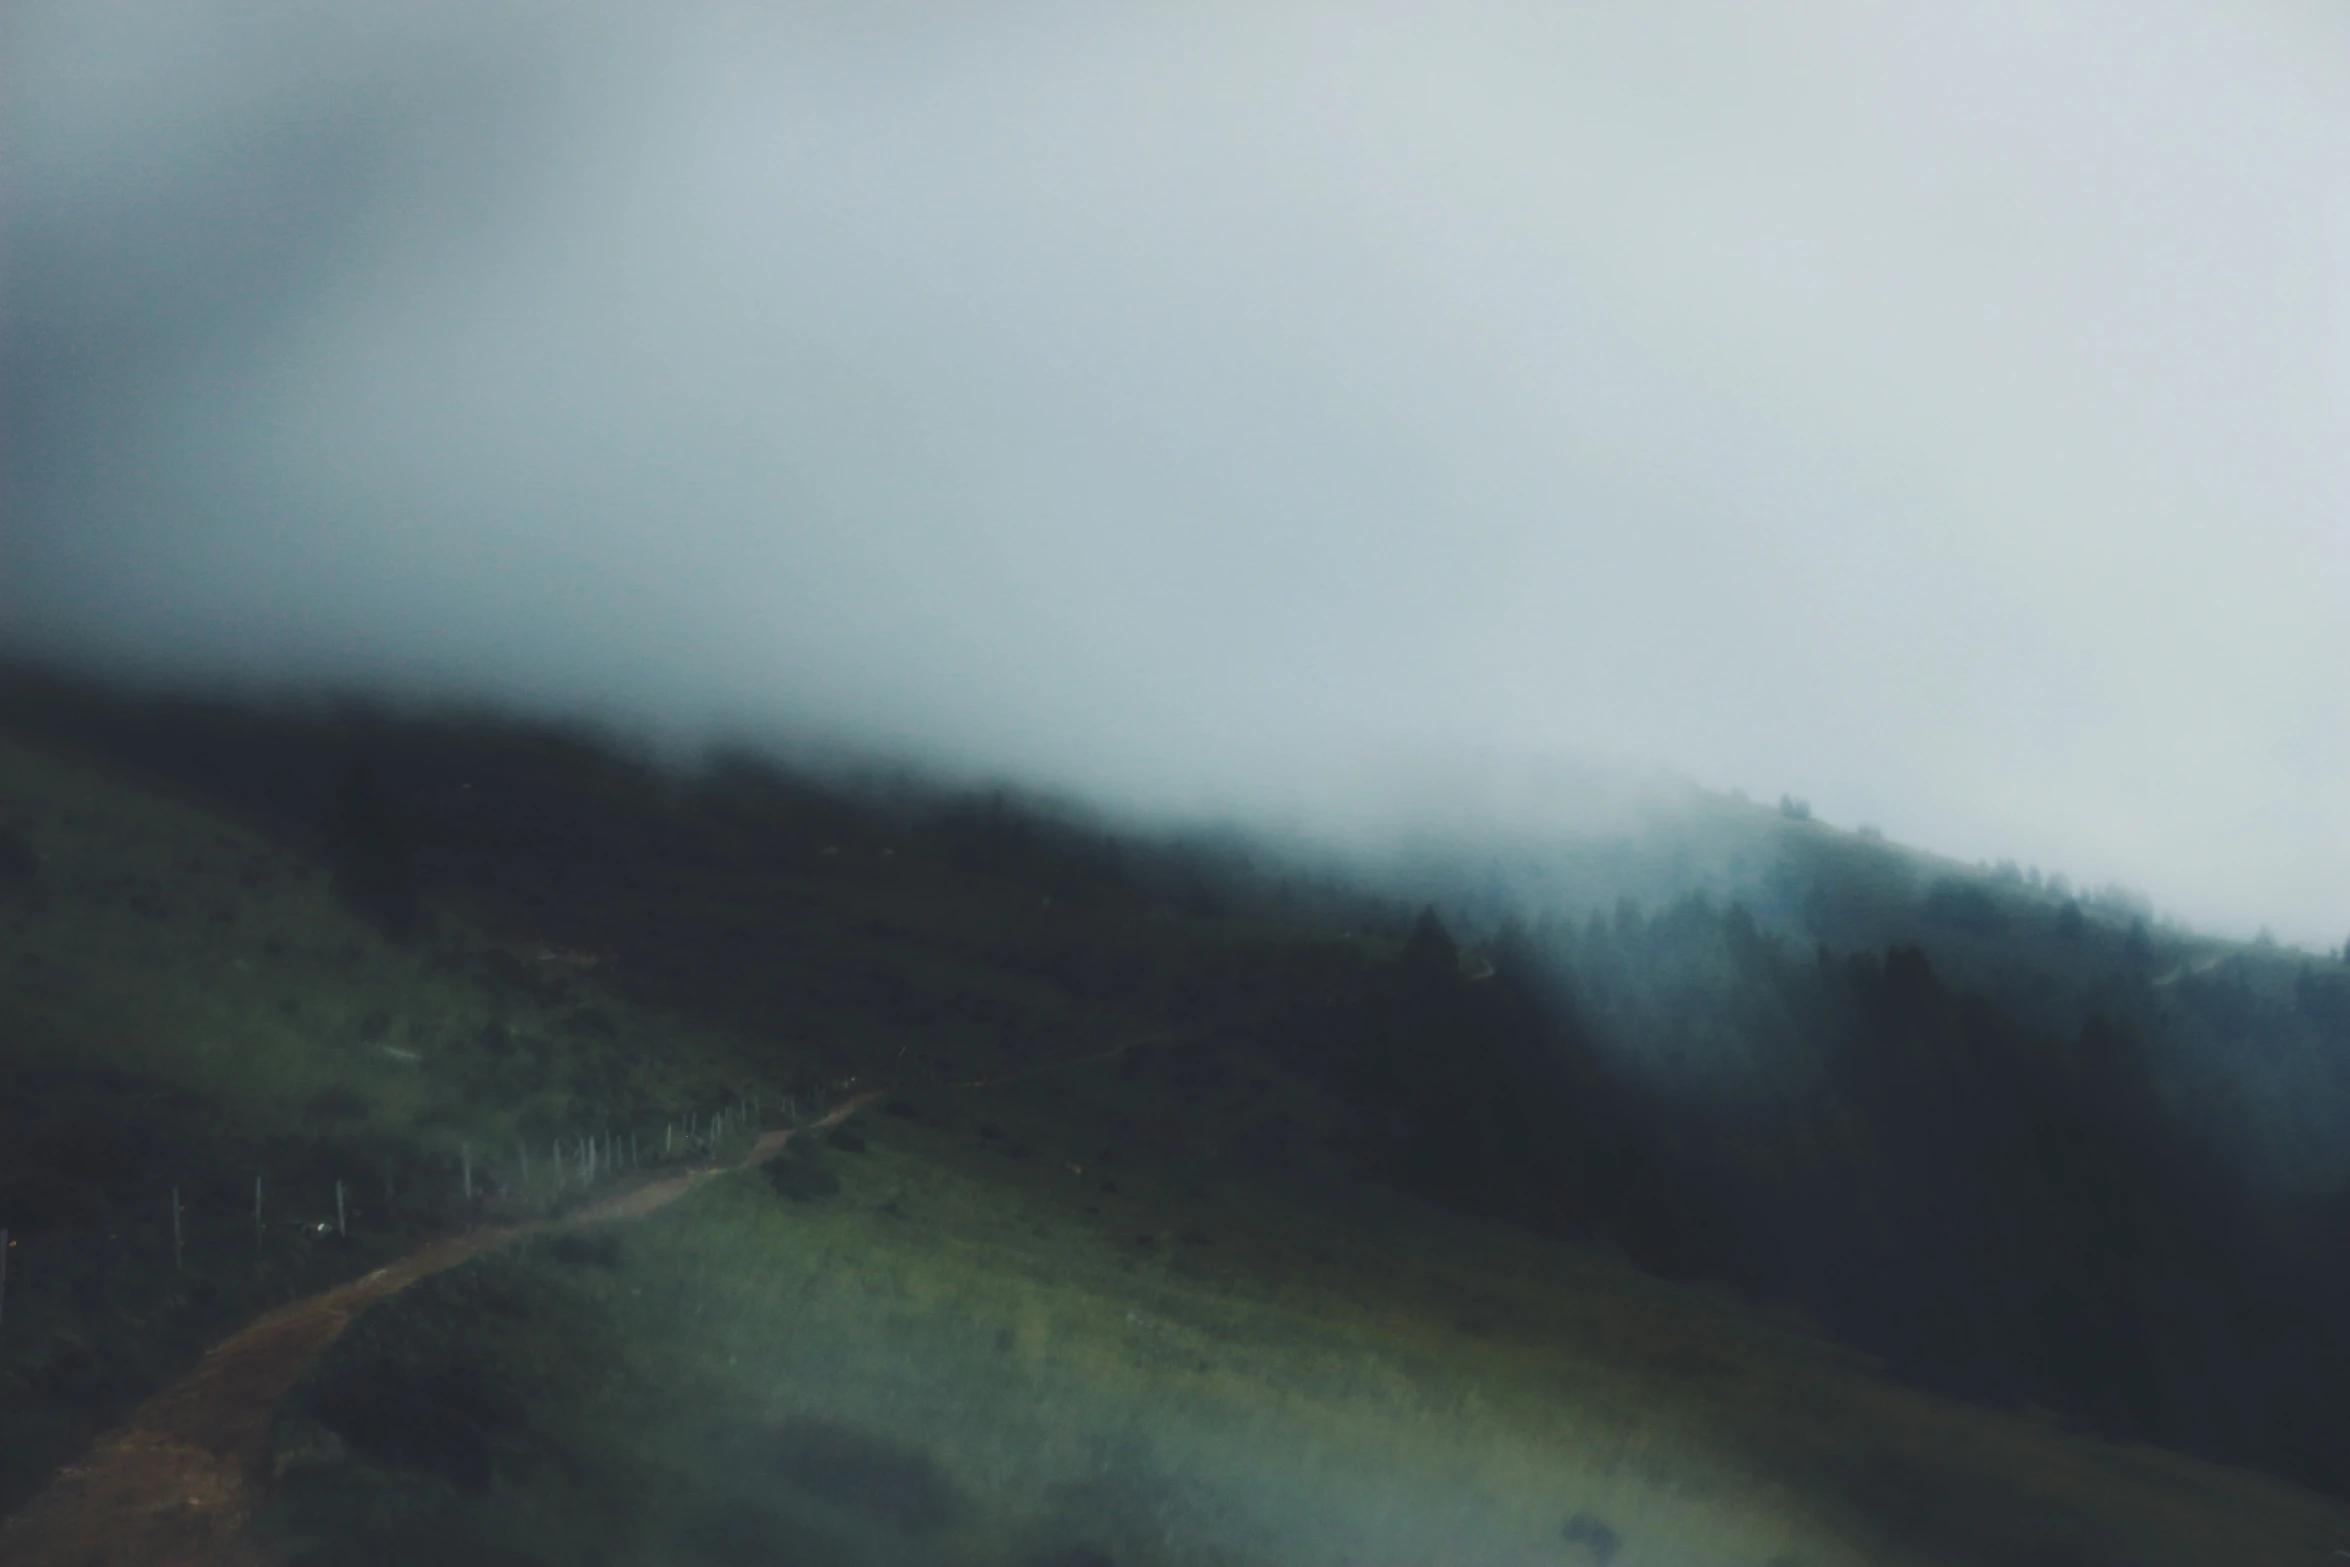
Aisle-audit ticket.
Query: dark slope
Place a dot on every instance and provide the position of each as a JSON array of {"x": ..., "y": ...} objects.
[{"x": 2023, "y": 1149}]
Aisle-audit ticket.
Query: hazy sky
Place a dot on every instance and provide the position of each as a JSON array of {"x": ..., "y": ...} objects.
[{"x": 1939, "y": 411}]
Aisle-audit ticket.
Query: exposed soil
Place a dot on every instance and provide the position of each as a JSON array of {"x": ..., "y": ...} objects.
[{"x": 174, "y": 1485}]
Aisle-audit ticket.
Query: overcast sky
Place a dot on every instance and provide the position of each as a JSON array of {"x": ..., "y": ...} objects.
[{"x": 1938, "y": 411}]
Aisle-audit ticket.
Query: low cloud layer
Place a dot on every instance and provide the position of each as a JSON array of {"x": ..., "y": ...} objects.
[{"x": 1939, "y": 412}]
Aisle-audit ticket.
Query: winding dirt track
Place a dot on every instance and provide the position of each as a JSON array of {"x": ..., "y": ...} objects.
[{"x": 174, "y": 1484}]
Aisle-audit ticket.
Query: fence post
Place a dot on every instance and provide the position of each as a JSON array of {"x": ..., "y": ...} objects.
[
  {"x": 465, "y": 1154},
  {"x": 176, "y": 1265},
  {"x": 342, "y": 1230},
  {"x": 256, "y": 1215}
]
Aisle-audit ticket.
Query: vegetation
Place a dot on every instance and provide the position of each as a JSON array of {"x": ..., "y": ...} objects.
[
  {"x": 2055, "y": 1199},
  {"x": 1162, "y": 1122}
]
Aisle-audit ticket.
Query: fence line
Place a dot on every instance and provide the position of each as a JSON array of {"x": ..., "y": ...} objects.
[{"x": 606, "y": 1153}]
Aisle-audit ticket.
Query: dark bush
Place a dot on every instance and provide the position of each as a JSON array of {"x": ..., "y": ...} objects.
[
  {"x": 802, "y": 1180},
  {"x": 1599, "y": 1542},
  {"x": 877, "y": 1480},
  {"x": 439, "y": 1419}
]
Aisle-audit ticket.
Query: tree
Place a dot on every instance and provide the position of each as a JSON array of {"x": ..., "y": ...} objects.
[
  {"x": 1963, "y": 906},
  {"x": 1430, "y": 952}
]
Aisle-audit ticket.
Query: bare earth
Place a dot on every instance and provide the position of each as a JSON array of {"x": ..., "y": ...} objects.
[{"x": 174, "y": 1485}]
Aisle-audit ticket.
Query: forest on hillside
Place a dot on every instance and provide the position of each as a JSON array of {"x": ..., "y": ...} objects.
[
  {"x": 2065, "y": 1198},
  {"x": 2026, "y": 1148}
]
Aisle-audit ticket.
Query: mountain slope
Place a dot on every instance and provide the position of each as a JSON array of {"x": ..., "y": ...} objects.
[{"x": 1139, "y": 1258}]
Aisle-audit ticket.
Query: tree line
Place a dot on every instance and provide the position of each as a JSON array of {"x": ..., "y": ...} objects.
[{"x": 2036, "y": 1197}]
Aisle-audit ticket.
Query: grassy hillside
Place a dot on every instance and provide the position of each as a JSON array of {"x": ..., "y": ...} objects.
[
  {"x": 1145, "y": 1254},
  {"x": 187, "y": 1009}
]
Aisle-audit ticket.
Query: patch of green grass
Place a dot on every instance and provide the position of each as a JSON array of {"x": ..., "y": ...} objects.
[
  {"x": 920, "y": 1370},
  {"x": 955, "y": 1338},
  {"x": 183, "y": 1006}
]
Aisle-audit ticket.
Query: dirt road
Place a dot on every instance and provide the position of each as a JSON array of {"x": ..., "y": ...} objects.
[{"x": 174, "y": 1485}]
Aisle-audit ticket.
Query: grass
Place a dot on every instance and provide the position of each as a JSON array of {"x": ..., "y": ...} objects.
[
  {"x": 1130, "y": 1297},
  {"x": 185, "y": 1006},
  {"x": 1303, "y": 1387},
  {"x": 891, "y": 1375}
]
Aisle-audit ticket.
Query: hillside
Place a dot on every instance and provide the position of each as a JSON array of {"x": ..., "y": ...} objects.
[{"x": 1208, "y": 1213}]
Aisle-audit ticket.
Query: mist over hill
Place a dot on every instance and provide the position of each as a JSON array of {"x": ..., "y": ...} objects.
[
  {"x": 2029, "y": 1147},
  {"x": 1242, "y": 415},
  {"x": 1185, "y": 596}
]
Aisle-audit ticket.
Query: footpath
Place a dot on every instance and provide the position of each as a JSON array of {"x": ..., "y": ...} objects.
[{"x": 174, "y": 1485}]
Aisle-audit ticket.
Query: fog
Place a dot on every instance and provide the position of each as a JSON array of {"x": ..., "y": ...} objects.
[{"x": 1941, "y": 413}]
